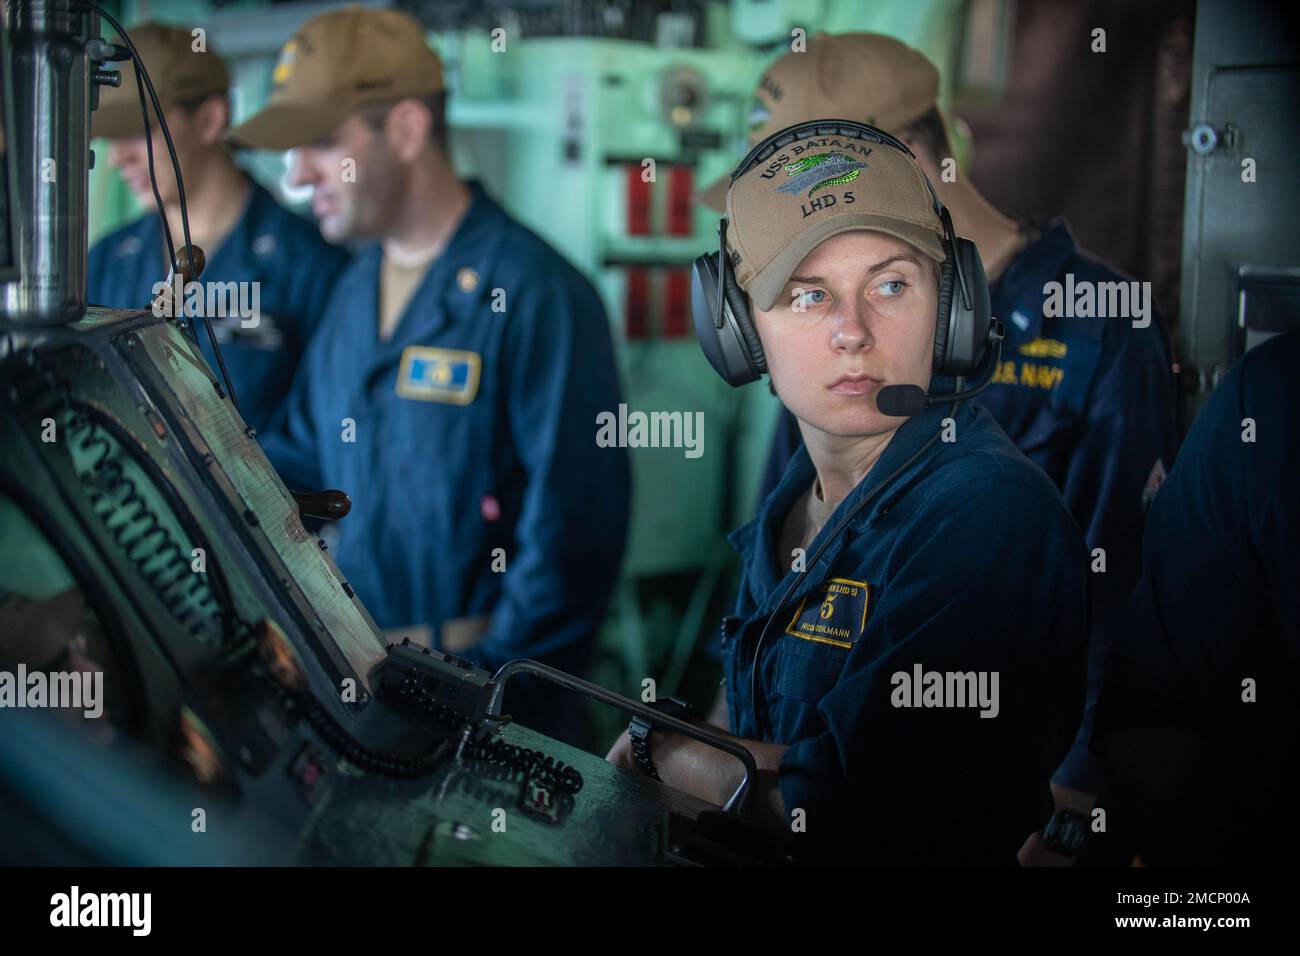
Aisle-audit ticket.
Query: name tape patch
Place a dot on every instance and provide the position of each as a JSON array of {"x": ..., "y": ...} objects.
[{"x": 836, "y": 615}]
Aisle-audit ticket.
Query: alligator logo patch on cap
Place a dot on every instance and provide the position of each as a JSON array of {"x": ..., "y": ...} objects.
[{"x": 820, "y": 171}]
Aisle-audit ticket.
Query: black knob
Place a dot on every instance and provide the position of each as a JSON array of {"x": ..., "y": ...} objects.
[{"x": 329, "y": 505}]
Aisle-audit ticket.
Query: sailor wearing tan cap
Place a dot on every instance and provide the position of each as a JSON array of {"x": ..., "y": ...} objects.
[
  {"x": 268, "y": 272},
  {"x": 455, "y": 382},
  {"x": 1088, "y": 397},
  {"x": 897, "y": 709}
]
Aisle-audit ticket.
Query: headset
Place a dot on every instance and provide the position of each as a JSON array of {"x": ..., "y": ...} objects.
[{"x": 963, "y": 335}]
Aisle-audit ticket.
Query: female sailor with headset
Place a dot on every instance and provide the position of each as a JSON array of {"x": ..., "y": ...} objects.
[{"x": 906, "y": 661}]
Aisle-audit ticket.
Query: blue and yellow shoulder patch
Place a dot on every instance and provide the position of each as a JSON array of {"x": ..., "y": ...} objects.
[
  {"x": 439, "y": 375},
  {"x": 838, "y": 616}
]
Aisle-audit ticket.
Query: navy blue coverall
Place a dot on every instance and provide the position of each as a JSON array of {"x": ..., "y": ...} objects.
[
  {"x": 467, "y": 442},
  {"x": 917, "y": 584},
  {"x": 1219, "y": 602},
  {"x": 1088, "y": 400}
]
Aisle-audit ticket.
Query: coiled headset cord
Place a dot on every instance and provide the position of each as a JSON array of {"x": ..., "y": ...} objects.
[
  {"x": 532, "y": 763},
  {"x": 110, "y": 490},
  {"x": 195, "y": 599},
  {"x": 190, "y": 596}
]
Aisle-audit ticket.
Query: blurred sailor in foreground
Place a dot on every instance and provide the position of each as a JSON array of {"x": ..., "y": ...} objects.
[{"x": 1199, "y": 717}]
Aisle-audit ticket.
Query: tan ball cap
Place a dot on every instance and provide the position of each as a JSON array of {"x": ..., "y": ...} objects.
[
  {"x": 178, "y": 73},
  {"x": 335, "y": 63},
  {"x": 866, "y": 77},
  {"x": 818, "y": 186}
]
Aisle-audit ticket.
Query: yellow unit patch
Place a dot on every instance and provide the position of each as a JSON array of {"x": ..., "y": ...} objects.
[
  {"x": 438, "y": 375},
  {"x": 838, "y": 616}
]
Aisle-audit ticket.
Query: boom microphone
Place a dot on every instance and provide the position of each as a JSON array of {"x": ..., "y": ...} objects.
[{"x": 904, "y": 401}]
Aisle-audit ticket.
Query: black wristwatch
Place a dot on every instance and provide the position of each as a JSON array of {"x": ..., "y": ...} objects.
[
  {"x": 1066, "y": 832},
  {"x": 640, "y": 728}
]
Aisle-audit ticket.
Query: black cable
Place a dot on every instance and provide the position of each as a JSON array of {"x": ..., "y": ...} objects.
[
  {"x": 360, "y": 756},
  {"x": 812, "y": 562},
  {"x": 153, "y": 181},
  {"x": 531, "y": 763},
  {"x": 142, "y": 74}
]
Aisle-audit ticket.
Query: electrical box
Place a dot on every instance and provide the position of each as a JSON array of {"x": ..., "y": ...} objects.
[{"x": 1241, "y": 250}]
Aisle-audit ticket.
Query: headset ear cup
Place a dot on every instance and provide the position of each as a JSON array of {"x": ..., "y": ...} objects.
[
  {"x": 744, "y": 322},
  {"x": 968, "y": 334},
  {"x": 719, "y": 333},
  {"x": 944, "y": 321}
]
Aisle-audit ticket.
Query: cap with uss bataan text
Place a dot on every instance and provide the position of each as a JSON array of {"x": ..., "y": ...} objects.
[
  {"x": 866, "y": 77},
  {"x": 179, "y": 73},
  {"x": 335, "y": 63},
  {"x": 817, "y": 186}
]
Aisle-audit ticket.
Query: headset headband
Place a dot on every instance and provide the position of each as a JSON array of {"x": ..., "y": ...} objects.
[
  {"x": 829, "y": 127},
  {"x": 856, "y": 130}
]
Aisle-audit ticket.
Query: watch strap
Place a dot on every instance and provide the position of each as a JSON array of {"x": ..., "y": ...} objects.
[
  {"x": 641, "y": 728},
  {"x": 639, "y": 732},
  {"x": 1066, "y": 833}
]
